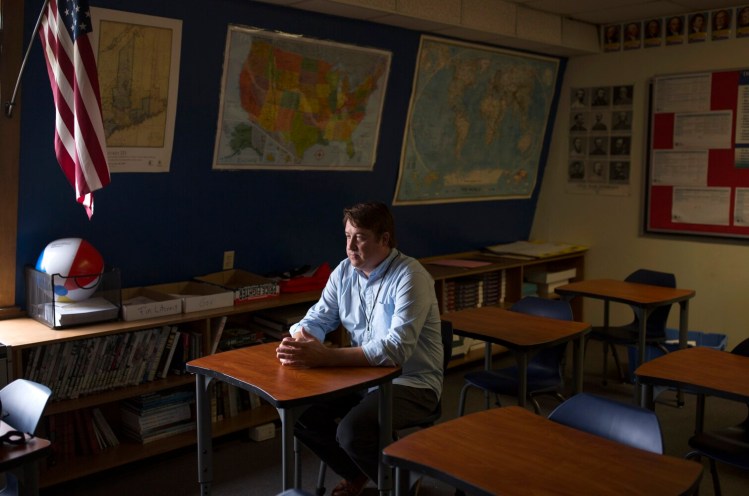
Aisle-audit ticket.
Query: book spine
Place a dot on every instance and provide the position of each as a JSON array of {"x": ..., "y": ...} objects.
[
  {"x": 159, "y": 352},
  {"x": 174, "y": 342},
  {"x": 220, "y": 324}
]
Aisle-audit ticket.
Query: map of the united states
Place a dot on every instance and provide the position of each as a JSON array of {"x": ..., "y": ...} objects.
[{"x": 301, "y": 105}]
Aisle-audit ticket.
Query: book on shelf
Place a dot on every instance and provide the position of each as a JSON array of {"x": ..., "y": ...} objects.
[
  {"x": 177, "y": 365},
  {"x": 168, "y": 431},
  {"x": 153, "y": 416},
  {"x": 82, "y": 366},
  {"x": 282, "y": 317},
  {"x": 269, "y": 332},
  {"x": 217, "y": 329},
  {"x": 547, "y": 290},
  {"x": 94, "y": 309},
  {"x": 542, "y": 276},
  {"x": 171, "y": 346},
  {"x": 159, "y": 351},
  {"x": 531, "y": 250},
  {"x": 240, "y": 337},
  {"x": 105, "y": 429},
  {"x": 144, "y": 421}
]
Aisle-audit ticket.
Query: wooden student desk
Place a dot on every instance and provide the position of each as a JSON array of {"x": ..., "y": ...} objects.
[
  {"x": 290, "y": 390},
  {"x": 644, "y": 298},
  {"x": 523, "y": 334},
  {"x": 700, "y": 370},
  {"x": 26, "y": 456},
  {"x": 511, "y": 451}
]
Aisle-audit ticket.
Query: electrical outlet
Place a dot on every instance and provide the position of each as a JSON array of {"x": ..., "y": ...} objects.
[{"x": 228, "y": 260}]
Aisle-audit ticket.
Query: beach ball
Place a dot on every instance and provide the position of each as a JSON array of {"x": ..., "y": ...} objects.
[{"x": 76, "y": 268}]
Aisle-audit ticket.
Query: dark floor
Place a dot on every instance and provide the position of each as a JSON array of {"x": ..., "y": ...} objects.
[{"x": 245, "y": 467}]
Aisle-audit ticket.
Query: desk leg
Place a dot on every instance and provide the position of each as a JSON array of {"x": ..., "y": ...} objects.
[
  {"x": 287, "y": 446},
  {"x": 648, "y": 401},
  {"x": 30, "y": 479},
  {"x": 487, "y": 366},
  {"x": 642, "y": 317},
  {"x": 385, "y": 417},
  {"x": 522, "y": 359},
  {"x": 683, "y": 338},
  {"x": 205, "y": 442},
  {"x": 402, "y": 481},
  {"x": 699, "y": 419},
  {"x": 578, "y": 347}
]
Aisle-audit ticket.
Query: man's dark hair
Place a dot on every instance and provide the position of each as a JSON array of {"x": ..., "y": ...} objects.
[{"x": 374, "y": 216}]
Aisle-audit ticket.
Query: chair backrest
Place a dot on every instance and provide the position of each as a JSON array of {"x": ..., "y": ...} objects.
[
  {"x": 658, "y": 319},
  {"x": 622, "y": 422},
  {"x": 543, "y": 307},
  {"x": 555, "y": 309},
  {"x": 23, "y": 404},
  {"x": 742, "y": 348}
]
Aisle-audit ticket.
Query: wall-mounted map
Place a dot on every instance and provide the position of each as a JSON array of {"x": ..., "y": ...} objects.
[
  {"x": 476, "y": 123},
  {"x": 296, "y": 103},
  {"x": 138, "y": 66}
]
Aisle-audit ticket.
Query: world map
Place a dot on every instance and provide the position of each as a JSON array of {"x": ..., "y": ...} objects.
[
  {"x": 476, "y": 123},
  {"x": 294, "y": 102}
]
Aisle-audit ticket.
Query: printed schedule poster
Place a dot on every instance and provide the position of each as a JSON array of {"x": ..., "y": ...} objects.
[{"x": 698, "y": 159}]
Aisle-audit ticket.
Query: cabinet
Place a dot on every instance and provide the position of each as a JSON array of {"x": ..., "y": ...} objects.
[
  {"x": 494, "y": 280},
  {"x": 23, "y": 335}
]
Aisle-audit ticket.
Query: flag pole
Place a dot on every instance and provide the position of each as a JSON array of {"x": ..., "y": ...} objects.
[{"x": 9, "y": 105}]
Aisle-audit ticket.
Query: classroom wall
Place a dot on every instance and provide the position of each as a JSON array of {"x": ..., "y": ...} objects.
[
  {"x": 611, "y": 225},
  {"x": 170, "y": 227}
]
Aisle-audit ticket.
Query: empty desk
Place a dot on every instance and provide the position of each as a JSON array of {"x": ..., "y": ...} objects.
[
  {"x": 511, "y": 451},
  {"x": 644, "y": 298},
  {"x": 523, "y": 334}
]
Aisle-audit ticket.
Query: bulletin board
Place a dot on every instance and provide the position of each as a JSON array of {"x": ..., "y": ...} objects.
[{"x": 697, "y": 180}]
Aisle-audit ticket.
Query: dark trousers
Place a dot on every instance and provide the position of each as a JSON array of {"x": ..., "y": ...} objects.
[{"x": 344, "y": 432}]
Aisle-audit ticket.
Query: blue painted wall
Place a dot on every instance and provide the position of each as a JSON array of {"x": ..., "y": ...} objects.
[{"x": 170, "y": 227}]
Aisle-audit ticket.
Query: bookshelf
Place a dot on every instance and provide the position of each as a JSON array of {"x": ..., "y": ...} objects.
[
  {"x": 475, "y": 278},
  {"x": 23, "y": 336}
]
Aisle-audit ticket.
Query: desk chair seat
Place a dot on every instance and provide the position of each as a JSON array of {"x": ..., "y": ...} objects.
[
  {"x": 729, "y": 445},
  {"x": 23, "y": 404},
  {"x": 431, "y": 419},
  {"x": 627, "y": 335},
  {"x": 622, "y": 422},
  {"x": 545, "y": 369}
]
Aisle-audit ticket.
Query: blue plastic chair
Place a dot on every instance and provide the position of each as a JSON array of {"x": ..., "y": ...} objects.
[
  {"x": 627, "y": 335},
  {"x": 23, "y": 403},
  {"x": 545, "y": 369},
  {"x": 729, "y": 445},
  {"x": 621, "y": 422}
]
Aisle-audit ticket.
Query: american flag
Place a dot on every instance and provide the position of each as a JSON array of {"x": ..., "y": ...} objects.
[{"x": 80, "y": 144}]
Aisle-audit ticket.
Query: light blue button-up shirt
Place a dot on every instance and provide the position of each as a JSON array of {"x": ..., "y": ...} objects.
[{"x": 402, "y": 327}]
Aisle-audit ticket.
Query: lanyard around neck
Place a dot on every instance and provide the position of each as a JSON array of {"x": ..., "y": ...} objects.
[{"x": 368, "y": 315}]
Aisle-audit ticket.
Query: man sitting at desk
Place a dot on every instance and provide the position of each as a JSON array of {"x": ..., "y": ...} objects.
[{"x": 386, "y": 302}]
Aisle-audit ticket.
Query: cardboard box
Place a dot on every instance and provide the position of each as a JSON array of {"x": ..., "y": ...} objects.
[
  {"x": 246, "y": 286},
  {"x": 196, "y": 296},
  {"x": 263, "y": 432},
  {"x": 144, "y": 303}
]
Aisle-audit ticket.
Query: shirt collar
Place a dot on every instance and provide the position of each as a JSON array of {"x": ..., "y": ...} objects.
[{"x": 379, "y": 271}]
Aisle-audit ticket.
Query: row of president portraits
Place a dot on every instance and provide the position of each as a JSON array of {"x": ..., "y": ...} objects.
[{"x": 697, "y": 27}]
